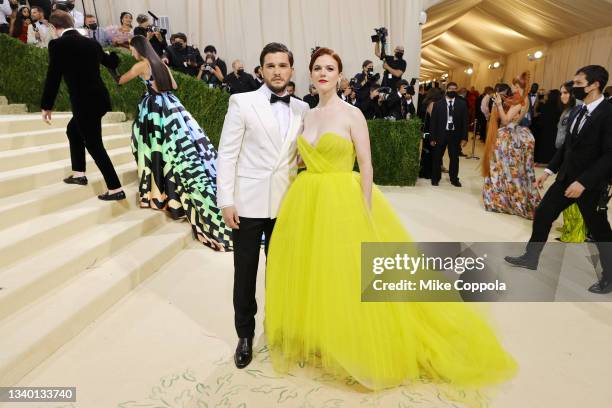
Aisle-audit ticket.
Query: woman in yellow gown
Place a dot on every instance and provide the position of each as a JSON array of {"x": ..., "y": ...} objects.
[{"x": 314, "y": 312}]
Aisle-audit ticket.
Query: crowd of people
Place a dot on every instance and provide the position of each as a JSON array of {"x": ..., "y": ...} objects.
[{"x": 379, "y": 97}]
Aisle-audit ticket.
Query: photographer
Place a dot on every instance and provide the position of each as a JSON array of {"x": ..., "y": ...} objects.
[
  {"x": 210, "y": 73},
  {"x": 238, "y": 80},
  {"x": 182, "y": 57},
  {"x": 38, "y": 32},
  {"x": 152, "y": 33},
  {"x": 95, "y": 32},
  {"x": 312, "y": 99},
  {"x": 291, "y": 90},
  {"x": 395, "y": 65},
  {"x": 345, "y": 90},
  {"x": 68, "y": 6},
  {"x": 363, "y": 81},
  {"x": 399, "y": 104},
  {"x": 372, "y": 105},
  {"x": 211, "y": 51}
]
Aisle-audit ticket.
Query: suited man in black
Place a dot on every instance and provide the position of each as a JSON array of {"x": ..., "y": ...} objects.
[
  {"x": 449, "y": 128},
  {"x": 77, "y": 59},
  {"x": 399, "y": 104},
  {"x": 584, "y": 168}
]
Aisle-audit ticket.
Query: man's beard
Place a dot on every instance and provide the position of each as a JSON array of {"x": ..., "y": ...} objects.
[{"x": 276, "y": 89}]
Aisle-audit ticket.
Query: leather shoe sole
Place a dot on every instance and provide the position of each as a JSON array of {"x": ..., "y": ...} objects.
[
  {"x": 112, "y": 197},
  {"x": 601, "y": 288}
]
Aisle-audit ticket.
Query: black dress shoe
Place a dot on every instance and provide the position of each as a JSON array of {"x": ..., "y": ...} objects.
[
  {"x": 523, "y": 261},
  {"x": 81, "y": 181},
  {"x": 602, "y": 287},
  {"x": 456, "y": 183},
  {"x": 435, "y": 183},
  {"x": 244, "y": 352},
  {"x": 112, "y": 197}
]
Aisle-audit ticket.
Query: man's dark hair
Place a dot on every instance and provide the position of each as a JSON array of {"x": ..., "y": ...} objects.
[
  {"x": 87, "y": 16},
  {"x": 595, "y": 73},
  {"x": 534, "y": 87},
  {"x": 61, "y": 19},
  {"x": 210, "y": 48},
  {"x": 399, "y": 84},
  {"x": 291, "y": 83},
  {"x": 451, "y": 84},
  {"x": 256, "y": 69},
  {"x": 40, "y": 9},
  {"x": 374, "y": 87},
  {"x": 273, "y": 48},
  {"x": 141, "y": 18},
  {"x": 366, "y": 63},
  {"x": 178, "y": 35}
]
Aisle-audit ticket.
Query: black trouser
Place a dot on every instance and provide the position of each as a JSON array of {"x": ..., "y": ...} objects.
[
  {"x": 553, "y": 204},
  {"x": 4, "y": 28},
  {"x": 85, "y": 132},
  {"x": 453, "y": 142},
  {"x": 247, "y": 245}
]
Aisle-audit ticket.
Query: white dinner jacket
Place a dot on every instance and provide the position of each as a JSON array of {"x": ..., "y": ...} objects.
[{"x": 255, "y": 166}]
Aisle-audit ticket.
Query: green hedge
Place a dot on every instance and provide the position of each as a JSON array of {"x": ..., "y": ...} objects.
[{"x": 395, "y": 145}]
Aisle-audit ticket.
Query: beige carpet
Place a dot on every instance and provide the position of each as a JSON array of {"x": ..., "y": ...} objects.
[{"x": 170, "y": 342}]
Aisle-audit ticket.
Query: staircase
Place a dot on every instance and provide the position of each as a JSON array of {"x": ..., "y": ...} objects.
[{"x": 65, "y": 256}]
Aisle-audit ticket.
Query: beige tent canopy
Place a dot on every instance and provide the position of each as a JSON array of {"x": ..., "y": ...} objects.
[{"x": 462, "y": 34}]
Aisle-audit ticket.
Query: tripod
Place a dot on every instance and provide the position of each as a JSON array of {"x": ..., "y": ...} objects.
[{"x": 472, "y": 156}]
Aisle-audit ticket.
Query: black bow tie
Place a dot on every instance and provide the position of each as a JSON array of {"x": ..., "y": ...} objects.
[{"x": 275, "y": 98}]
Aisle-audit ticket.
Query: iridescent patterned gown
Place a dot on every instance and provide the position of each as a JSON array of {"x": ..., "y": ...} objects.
[{"x": 176, "y": 166}]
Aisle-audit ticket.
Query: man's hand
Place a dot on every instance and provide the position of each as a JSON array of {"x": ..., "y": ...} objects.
[
  {"x": 574, "y": 190},
  {"x": 165, "y": 60},
  {"x": 46, "y": 116},
  {"x": 433, "y": 143},
  {"x": 541, "y": 180},
  {"x": 230, "y": 216},
  {"x": 37, "y": 35}
]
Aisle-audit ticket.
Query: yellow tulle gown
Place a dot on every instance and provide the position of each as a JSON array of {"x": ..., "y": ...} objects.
[{"x": 314, "y": 314}]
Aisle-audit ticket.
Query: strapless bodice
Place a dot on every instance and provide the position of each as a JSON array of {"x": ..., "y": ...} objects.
[{"x": 331, "y": 153}]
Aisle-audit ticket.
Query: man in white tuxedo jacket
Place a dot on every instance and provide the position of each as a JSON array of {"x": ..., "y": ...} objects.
[{"x": 257, "y": 162}]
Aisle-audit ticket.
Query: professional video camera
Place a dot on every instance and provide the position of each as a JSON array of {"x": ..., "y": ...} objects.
[
  {"x": 64, "y": 5},
  {"x": 155, "y": 28},
  {"x": 381, "y": 35}
]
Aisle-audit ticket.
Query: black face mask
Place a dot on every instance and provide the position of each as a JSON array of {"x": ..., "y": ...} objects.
[
  {"x": 399, "y": 55},
  {"x": 579, "y": 92},
  {"x": 240, "y": 71},
  {"x": 370, "y": 70},
  {"x": 93, "y": 26},
  {"x": 451, "y": 94}
]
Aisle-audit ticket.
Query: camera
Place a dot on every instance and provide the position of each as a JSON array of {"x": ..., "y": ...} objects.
[
  {"x": 64, "y": 5},
  {"x": 381, "y": 35},
  {"x": 154, "y": 28},
  {"x": 384, "y": 92}
]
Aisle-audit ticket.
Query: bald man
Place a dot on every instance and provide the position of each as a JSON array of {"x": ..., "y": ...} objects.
[{"x": 240, "y": 81}]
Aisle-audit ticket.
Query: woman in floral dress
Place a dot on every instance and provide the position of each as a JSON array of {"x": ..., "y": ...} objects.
[{"x": 508, "y": 164}]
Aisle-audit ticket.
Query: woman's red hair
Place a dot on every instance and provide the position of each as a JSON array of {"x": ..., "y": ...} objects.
[{"x": 324, "y": 51}]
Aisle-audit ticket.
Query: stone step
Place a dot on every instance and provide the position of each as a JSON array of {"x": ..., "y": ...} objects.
[
  {"x": 30, "y": 336},
  {"x": 39, "y": 233},
  {"x": 13, "y": 109},
  {"x": 33, "y": 121},
  {"x": 42, "y": 271},
  {"x": 44, "y": 200},
  {"x": 21, "y": 140},
  {"x": 28, "y": 178}
]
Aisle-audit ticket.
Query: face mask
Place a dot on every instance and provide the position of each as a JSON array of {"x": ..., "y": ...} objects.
[
  {"x": 579, "y": 92},
  {"x": 240, "y": 71},
  {"x": 70, "y": 6},
  {"x": 399, "y": 55},
  {"x": 370, "y": 70},
  {"x": 93, "y": 26},
  {"x": 451, "y": 94}
]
